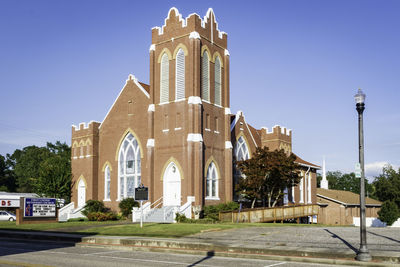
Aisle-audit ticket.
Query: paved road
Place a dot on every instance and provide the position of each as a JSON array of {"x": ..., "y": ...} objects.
[{"x": 34, "y": 253}]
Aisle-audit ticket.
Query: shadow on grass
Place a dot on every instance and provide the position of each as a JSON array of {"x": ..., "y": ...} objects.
[
  {"x": 210, "y": 254},
  {"x": 343, "y": 240}
]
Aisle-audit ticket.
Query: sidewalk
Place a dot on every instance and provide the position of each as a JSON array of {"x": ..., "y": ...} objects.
[{"x": 331, "y": 245}]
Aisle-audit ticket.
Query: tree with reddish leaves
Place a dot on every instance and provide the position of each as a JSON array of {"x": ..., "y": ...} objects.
[{"x": 266, "y": 175}]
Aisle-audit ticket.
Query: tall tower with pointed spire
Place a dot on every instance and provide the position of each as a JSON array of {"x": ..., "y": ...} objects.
[{"x": 324, "y": 181}]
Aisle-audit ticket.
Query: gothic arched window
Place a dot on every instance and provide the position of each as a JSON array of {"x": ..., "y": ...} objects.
[
  {"x": 129, "y": 167},
  {"x": 241, "y": 150},
  {"x": 180, "y": 75},
  {"x": 205, "y": 77},
  {"x": 164, "y": 79},
  {"x": 217, "y": 81},
  {"x": 212, "y": 181},
  {"x": 107, "y": 183}
]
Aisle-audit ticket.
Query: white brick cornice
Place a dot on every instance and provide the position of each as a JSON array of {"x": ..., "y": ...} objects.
[
  {"x": 150, "y": 143},
  {"x": 194, "y": 100},
  {"x": 192, "y": 137}
]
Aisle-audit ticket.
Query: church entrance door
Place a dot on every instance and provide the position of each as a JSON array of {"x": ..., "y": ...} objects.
[
  {"x": 81, "y": 193},
  {"x": 172, "y": 186}
]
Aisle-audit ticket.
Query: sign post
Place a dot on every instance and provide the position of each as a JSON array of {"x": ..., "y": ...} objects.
[{"x": 141, "y": 193}]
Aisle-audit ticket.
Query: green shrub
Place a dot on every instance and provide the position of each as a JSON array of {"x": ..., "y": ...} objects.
[
  {"x": 102, "y": 216},
  {"x": 126, "y": 206},
  {"x": 212, "y": 211},
  {"x": 94, "y": 206},
  {"x": 389, "y": 212},
  {"x": 181, "y": 218}
]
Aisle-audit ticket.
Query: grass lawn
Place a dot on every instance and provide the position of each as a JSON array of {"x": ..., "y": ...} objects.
[{"x": 117, "y": 228}]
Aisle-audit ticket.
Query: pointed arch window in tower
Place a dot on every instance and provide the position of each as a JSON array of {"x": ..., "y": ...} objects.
[
  {"x": 164, "y": 79},
  {"x": 205, "y": 77},
  {"x": 107, "y": 183},
  {"x": 180, "y": 75},
  {"x": 217, "y": 81},
  {"x": 212, "y": 181},
  {"x": 129, "y": 167}
]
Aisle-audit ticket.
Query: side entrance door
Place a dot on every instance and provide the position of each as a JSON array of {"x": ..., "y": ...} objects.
[
  {"x": 81, "y": 194},
  {"x": 172, "y": 186}
]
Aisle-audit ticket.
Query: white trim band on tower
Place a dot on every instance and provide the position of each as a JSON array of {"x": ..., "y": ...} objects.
[
  {"x": 194, "y": 35},
  {"x": 151, "y": 108},
  {"x": 227, "y": 111},
  {"x": 152, "y": 48},
  {"x": 194, "y": 100},
  {"x": 227, "y": 52},
  {"x": 228, "y": 145},
  {"x": 150, "y": 143},
  {"x": 192, "y": 137}
]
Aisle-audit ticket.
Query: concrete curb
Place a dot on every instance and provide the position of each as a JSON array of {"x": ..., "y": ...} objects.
[{"x": 326, "y": 256}]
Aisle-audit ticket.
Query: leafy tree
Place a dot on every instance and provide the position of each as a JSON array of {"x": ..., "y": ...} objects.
[
  {"x": 54, "y": 178},
  {"x": 389, "y": 212},
  {"x": 7, "y": 179},
  {"x": 387, "y": 185},
  {"x": 26, "y": 164},
  {"x": 42, "y": 170},
  {"x": 346, "y": 182},
  {"x": 266, "y": 175}
]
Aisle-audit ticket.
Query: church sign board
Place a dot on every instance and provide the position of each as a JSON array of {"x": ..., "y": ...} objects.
[{"x": 39, "y": 207}]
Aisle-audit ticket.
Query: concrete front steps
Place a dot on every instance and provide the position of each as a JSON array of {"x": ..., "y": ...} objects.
[
  {"x": 155, "y": 212},
  {"x": 69, "y": 212}
]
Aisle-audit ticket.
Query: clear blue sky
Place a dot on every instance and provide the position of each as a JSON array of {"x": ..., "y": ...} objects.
[{"x": 293, "y": 63}]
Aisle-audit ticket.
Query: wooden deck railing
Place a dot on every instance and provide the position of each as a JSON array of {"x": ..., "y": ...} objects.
[{"x": 269, "y": 214}]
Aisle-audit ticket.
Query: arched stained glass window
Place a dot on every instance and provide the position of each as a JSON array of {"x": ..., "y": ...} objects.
[
  {"x": 164, "y": 79},
  {"x": 107, "y": 183},
  {"x": 241, "y": 150},
  {"x": 212, "y": 181},
  {"x": 217, "y": 81},
  {"x": 180, "y": 75},
  {"x": 129, "y": 167},
  {"x": 205, "y": 77}
]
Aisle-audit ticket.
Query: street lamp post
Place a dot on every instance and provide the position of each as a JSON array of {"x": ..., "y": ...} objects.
[{"x": 363, "y": 253}]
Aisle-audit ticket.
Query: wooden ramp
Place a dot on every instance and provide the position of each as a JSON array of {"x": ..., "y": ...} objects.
[{"x": 269, "y": 214}]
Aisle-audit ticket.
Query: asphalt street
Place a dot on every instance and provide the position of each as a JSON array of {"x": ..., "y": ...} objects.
[{"x": 35, "y": 253}]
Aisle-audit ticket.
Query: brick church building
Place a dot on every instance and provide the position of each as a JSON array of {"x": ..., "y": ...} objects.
[{"x": 176, "y": 135}]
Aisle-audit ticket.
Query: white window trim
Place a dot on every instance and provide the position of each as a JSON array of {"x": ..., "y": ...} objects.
[
  {"x": 105, "y": 183},
  {"x": 213, "y": 168},
  {"x": 135, "y": 174},
  {"x": 166, "y": 90},
  {"x": 180, "y": 51},
  {"x": 208, "y": 77}
]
